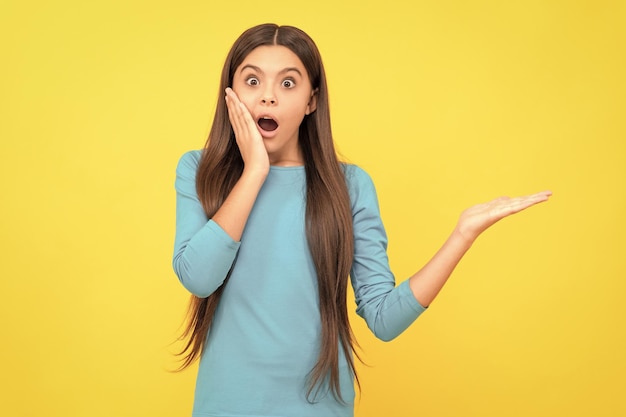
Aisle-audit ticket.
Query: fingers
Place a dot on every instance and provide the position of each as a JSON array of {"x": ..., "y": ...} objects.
[
  {"x": 476, "y": 219},
  {"x": 236, "y": 112},
  {"x": 505, "y": 206},
  {"x": 247, "y": 135},
  {"x": 532, "y": 199},
  {"x": 240, "y": 118}
]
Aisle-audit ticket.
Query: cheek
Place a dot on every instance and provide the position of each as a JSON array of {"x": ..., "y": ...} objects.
[
  {"x": 245, "y": 98},
  {"x": 243, "y": 93},
  {"x": 297, "y": 117}
]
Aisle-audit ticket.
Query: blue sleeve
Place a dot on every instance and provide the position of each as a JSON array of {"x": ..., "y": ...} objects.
[
  {"x": 388, "y": 309},
  {"x": 203, "y": 251}
]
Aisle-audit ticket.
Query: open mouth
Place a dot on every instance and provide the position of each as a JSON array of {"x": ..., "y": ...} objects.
[{"x": 268, "y": 124}]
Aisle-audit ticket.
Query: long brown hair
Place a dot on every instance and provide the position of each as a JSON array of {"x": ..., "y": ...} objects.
[{"x": 328, "y": 212}]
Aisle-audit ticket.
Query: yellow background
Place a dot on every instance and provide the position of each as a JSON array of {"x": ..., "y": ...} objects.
[{"x": 445, "y": 103}]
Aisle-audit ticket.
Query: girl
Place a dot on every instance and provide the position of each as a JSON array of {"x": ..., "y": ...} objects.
[{"x": 269, "y": 225}]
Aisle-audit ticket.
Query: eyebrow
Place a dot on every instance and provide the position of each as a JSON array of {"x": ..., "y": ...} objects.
[{"x": 259, "y": 70}]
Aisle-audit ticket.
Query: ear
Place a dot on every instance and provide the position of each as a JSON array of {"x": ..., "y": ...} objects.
[{"x": 310, "y": 108}]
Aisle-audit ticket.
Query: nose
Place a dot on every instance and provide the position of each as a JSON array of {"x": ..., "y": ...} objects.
[{"x": 268, "y": 98}]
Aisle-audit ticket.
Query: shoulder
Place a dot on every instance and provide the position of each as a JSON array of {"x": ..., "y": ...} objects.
[
  {"x": 186, "y": 172},
  {"x": 360, "y": 185},
  {"x": 189, "y": 161},
  {"x": 357, "y": 177}
]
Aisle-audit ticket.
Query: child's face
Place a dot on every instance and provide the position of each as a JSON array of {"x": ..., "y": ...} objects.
[{"x": 275, "y": 87}]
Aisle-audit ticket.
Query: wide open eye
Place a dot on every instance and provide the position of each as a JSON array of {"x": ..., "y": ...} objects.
[
  {"x": 252, "y": 81},
  {"x": 289, "y": 83}
]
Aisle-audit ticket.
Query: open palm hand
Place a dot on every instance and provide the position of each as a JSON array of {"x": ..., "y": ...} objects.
[{"x": 480, "y": 217}]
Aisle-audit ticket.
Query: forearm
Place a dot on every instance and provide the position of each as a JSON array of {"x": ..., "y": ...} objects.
[
  {"x": 202, "y": 262},
  {"x": 428, "y": 281},
  {"x": 234, "y": 212}
]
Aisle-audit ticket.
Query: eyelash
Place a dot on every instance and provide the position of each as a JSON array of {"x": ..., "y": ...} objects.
[{"x": 253, "y": 81}]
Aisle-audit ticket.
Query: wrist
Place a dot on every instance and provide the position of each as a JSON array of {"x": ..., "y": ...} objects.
[
  {"x": 255, "y": 174},
  {"x": 462, "y": 237}
]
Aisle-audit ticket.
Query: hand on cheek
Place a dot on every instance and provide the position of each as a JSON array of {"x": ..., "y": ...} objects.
[{"x": 249, "y": 140}]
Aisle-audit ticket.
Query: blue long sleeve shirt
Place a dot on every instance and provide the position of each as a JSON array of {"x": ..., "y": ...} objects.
[{"x": 265, "y": 335}]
